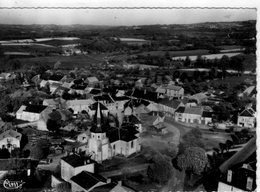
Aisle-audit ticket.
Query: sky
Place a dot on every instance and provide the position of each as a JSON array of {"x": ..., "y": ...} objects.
[{"x": 115, "y": 16}]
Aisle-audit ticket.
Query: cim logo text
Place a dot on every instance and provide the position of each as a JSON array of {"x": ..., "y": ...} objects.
[{"x": 13, "y": 184}]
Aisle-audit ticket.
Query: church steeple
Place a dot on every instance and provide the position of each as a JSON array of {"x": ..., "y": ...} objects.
[{"x": 98, "y": 125}]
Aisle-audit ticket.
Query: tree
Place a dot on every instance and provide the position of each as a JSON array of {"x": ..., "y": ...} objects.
[
  {"x": 191, "y": 139},
  {"x": 4, "y": 153},
  {"x": 161, "y": 170},
  {"x": 187, "y": 62},
  {"x": 224, "y": 63},
  {"x": 193, "y": 159}
]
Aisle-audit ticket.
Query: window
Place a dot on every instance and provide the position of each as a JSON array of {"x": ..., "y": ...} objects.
[
  {"x": 132, "y": 144},
  {"x": 98, "y": 136},
  {"x": 114, "y": 147}
]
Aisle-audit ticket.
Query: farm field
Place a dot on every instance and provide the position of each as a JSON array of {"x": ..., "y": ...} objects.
[
  {"x": 177, "y": 53},
  {"x": 67, "y": 62},
  {"x": 233, "y": 81}
]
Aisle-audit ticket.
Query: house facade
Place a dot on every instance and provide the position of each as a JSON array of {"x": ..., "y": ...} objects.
[
  {"x": 74, "y": 164},
  {"x": 247, "y": 118},
  {"x": 10, "y": 139},
  {"x": 30, "y": 112}
]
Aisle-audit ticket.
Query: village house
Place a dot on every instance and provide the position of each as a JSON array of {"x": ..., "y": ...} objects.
[
  {"x": 199, "y": 97},
  {"x": 174, "y": 91},
  {"x": 247, "y": 118},
  {"x": 79, "y": 105},
  {"x": 168, "y": 107},
  {"x": 86, "y": 181},
  {"x": 56, "y": 103},
  {"x": 74, "y": 164},
  {"x": 30, "y": 112},
  {"x": 92, "y": 81},
  {"x": 10, "y": 139},
  {"x": 238, "y": 179},
  {"x": 192, "y": 114}
]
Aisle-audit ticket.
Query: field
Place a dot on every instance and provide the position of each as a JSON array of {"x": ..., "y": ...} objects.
[
  {"x": 233, "y": 81},
  {"x": 177, "y": 53},
  {"x": 69, "y": 62}
]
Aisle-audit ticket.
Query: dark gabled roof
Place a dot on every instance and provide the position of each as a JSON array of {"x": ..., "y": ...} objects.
[
  {"x": 76, "y": 161},
  {"x": 104, "y": 97},
  {"x": 116, "y": 134},
  {"x": 35, "y": 108},
  {"x": 79, "y": 87},
  {"x": 247, "y": 113},
  {"x": 170, "y": 103},
  {"x": 104, "y": 188},
  {"x": 148, "y": 95},
  {"x": 94, "y": 106},
  {"x": 87, "y": 180},
  {"x": 180, "y": 109},
  {"x": 132, "y": 119},
  {"x": 121, "y": 98},
  {"x": 95, "y": 91}
]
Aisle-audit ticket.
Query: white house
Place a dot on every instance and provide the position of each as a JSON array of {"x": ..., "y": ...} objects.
[
  {"x": 74, "y": 164},
  {"x": 193, "y": 114},
  {"x": 247, "y": 118},
  {"x": 30, "y": 112},
  {"x": 174, "y": 91},
  {"x": 10, "y": 139},
  {"x": 79, "y": 105}
]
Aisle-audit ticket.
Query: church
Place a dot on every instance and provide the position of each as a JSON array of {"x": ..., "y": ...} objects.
[{"x": 106, "y": 141}]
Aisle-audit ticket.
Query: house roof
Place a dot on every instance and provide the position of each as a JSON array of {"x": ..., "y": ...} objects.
[
  {"x": 104, "y": 97},
  {"x": 160, "y": 90},
  {"x": 35, "y": 108},
  {"x": 92, "y": 79},
  {"x": 247, "y": 113},
  {"x": 170, "y": 103},
  {"x": 199, "y": 96},
  {"x": 104, "y": 188},
  {"x": 180, "y": 109},
  {"x": 194, "y": 110},
  {"x": 76, "y": 102},
  {"x": 132, "y": 119},
  {"x": 76, "y": 161},
  {"x": 116, "y": 134},
  {"x": 11, "y": 133},
  {"x": 87, "y": 180},
  {"x": 95, "y": 91},
  {"x": 174, "y": 87}
]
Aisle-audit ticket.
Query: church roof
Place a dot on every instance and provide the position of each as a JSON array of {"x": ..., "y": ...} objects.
[{"x": 99, "y": 123}]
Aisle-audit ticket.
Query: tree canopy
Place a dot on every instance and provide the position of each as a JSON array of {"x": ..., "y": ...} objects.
[{"x": 193, "y": 159}]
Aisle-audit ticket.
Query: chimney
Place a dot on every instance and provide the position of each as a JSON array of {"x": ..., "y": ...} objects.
[
  {"x": 229, "y": 176},
  {"x": 249, "y": 183}
]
